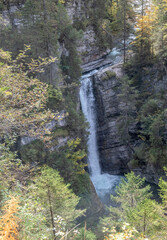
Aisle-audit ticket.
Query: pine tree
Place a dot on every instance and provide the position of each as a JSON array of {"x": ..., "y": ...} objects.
[
  {"x": 135, "y": 206},
  {"x": 160, "y": 31},
  {"x": 163, "y": 190},
  {"x": 56, "y": 198},
  {"x": 121, "y": 13},
  {"x": 161, "y": 233}
]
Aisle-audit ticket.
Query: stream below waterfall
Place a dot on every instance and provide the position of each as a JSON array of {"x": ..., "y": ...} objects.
[{"x": 104, "y": 183}]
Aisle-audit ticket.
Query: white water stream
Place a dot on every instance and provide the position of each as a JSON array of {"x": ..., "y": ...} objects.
[{"x": 103, "y": 183}]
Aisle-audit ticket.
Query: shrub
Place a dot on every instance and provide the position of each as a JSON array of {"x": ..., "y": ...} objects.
[{"x": 108, "y": 75}]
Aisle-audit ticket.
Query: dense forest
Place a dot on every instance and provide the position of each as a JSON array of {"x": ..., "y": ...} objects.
[{"x": 45, "y": 187}]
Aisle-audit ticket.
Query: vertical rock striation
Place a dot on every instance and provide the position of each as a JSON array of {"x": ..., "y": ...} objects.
[{"x": 113, "y": 154}]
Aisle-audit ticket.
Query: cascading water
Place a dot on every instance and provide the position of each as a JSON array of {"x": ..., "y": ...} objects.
[
  {"x": 104, "y": 183},
  {"x": 88, "y": 108}
]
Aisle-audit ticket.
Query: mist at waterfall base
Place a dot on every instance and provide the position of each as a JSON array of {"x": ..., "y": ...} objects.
[{"x": 104, "y": 183}]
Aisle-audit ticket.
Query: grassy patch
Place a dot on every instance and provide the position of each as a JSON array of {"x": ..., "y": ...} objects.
[{"x": 108, "y": 75}]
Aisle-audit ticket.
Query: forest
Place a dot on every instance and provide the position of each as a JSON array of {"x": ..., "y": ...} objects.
[{"x": 83, "y": 119}]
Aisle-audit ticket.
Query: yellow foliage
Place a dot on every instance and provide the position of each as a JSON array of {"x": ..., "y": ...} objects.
[
  {"x": 8, "y": 93},
  {"x": 9, "y": 221},
  {"x": 127, "y": 233},
  {"x": 114, "y": 9},
  {"x": 145, "y": 24},
  {"x": 23, "y": 98},
  {"x": 76, "y": 155}
]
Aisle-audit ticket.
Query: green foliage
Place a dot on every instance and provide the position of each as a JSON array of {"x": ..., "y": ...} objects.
[
  {"x": 85, "y": 234},
  {"x": 71, "y": 64},
  {"x": 141, "y": 151},
  {"x": 163, "y": 190},
  {"x": 23, "y": 97},
  {"x": 33, "y": 153},
  {"x": 108, "y": 75},
  {"x": 148, "y": 115},
  {"x": 32, "y": 215},
  {"x": 134, "y": 206},
  {"x": 134, "y": 163},
  {"x": 132, "y": 189},
  {"x": 55, "y": 98},
  {"x": 55, "y": 197},
  {"x": 76, "y": 156},
  {"x": 72, "y": 157},
  {"x": 152, "y": 133},
  {"x": 10, "y": 164},
  {"x": 60, "y": 132},
  {"x": 75, "y": 120},
  {"x": 150, "y": 107},
  {"x": 43, "y": 25},
  {"x": 48, "y": 208},
  {"x": 81, "y": 24},
  {"x": 161, "y": 234}
]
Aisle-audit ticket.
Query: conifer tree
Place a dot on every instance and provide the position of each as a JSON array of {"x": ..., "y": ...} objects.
[
  {"x": 160, "y": 31},
  {"x": 135, "y": 206},
  {"x": 56, "y": 198},
  {"x": 121, "y": 13}
]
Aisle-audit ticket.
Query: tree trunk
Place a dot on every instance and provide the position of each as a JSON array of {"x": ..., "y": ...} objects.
[
  {"x": 51, "y": 214},
  {"x": 144, "y": 222},
  {"x": 142, "y": 29},
  {"x": 124, "y": 30}
]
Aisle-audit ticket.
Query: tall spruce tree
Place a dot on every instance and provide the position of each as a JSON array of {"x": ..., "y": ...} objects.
[
  {"x": 56, "y": 198},
  {"x": 134, "y": 206}
]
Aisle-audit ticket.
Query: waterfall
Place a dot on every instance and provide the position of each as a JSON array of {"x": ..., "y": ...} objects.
[
  {"x": 88, "y": 107},
  {"x": 103, "y": 183}
]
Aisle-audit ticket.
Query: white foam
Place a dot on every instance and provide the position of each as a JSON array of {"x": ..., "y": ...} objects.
[{"x": 104, "y": 183}]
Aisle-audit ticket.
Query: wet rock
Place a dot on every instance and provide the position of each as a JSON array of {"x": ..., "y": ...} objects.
[
  {"x": 113, "y": 154},
  {"x": 115, "y": 157}
]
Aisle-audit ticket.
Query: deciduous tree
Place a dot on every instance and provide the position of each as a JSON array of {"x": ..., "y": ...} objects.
[
  {"x": 9, "y": 228},
  {"x": 23, "y": 97}
]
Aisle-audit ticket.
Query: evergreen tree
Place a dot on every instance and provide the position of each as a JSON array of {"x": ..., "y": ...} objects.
[
  {"x": 160, "y": 30},
  {"x": 134, "y": 206},
  {"x": 56, "y": 198},
  {"x": 121, "y": 13},
  {"x": 163, "y": 191}
]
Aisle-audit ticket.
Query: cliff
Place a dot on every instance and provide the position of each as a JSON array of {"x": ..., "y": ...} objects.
[
  {"x": 113, "y": 154},
  {"x": 117, "y": 157}
]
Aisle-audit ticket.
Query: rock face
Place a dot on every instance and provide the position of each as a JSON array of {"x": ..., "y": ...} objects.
[
  {"x": 113, "y": 154},
  {"x": 77, "y": 10},
  {"x": 115, "y": 157},
  {"x": 88, "y": 48}
]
